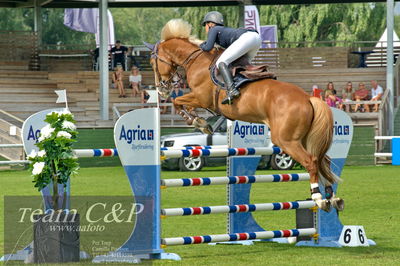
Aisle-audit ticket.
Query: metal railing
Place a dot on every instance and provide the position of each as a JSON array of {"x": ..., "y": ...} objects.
[
  {"x": 168, "y": 116},
  {"x": 169, "y": 120},
  {"x": 378, "y": 143},
  {"x": 10, "y": 136},
  {"x": 383, "y": 122}
]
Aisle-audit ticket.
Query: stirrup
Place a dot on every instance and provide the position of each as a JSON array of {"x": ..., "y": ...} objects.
[
  {"x": 227, "y": 100},
  {"x": 234, "y": 93}
]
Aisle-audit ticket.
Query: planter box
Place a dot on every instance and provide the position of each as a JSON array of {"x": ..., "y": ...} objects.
[{"x": 56, "y": 238}]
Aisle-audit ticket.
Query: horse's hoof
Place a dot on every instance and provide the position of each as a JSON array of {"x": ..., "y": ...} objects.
[
  {"x": 188, "y": 121},
  {"x": 200, "y": 122},
  {"x": 324, "y": 205},
  {"x": 337, "y": 203},
  {"x": 207, "y": 130}
]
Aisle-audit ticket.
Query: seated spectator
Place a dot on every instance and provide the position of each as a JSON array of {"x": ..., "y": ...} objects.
[
  {"x": 135, "y": 80},
  {"x": 361, "y": 94},
  {"x": 331, "y": 99},
  {"x": 347, "y": 96},
  {"x": 376, "y": 95},
  {"x": 316, "y": 92},
  {"x": 176, "y": 92},
  {"x": 117, "y": 80},
  {"x": 118, "y": 54},
  {"x": 144, "y": 96},
  {"x": 330, "y": 87}
]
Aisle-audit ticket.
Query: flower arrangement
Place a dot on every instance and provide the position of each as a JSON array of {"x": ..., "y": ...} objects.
[{"x": 55, "y": 161}]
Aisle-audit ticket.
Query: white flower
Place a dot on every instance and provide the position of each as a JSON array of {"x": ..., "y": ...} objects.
[
  {"x": 64, "y": 134},
  {"x": 45, "y": 132},
  {"x": 38, "y": 168},
  {"x": 63, "y": 112},
  {"x": 41, "y": 153},
  {"x": 32, "y": 155},
  {"x": 68, "y": 125}
]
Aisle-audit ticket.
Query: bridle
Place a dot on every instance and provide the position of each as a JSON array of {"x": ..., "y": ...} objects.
[{"x": 165, "y": 83}]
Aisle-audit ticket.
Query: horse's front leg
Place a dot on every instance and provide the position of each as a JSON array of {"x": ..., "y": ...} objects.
[
  {"x": 180, "y": 109},
  {"x": 182, "y": 103}
]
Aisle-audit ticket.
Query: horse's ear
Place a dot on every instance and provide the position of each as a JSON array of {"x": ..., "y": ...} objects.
[{"x": 149, "y": 45}]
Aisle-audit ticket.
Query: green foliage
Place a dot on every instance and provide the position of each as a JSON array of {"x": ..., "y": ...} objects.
[
  {"x": 296, "y": 23},
  {"x": 135, "y": 25},
  {"x": 55, "y": 162},
  {"x": 334, "y": 22},
  {"x": 55, "y": 32},
  {"x": 195, "y": 15},
  {"x": 14, "y": 19}
]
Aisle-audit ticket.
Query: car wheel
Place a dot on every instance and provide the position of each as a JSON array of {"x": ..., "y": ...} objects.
[
  {"x": 282, "y": 162},
  {"x": 191, "y": 163}
]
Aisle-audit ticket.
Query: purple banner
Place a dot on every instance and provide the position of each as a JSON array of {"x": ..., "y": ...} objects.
[{"x": 269, "y": 36}]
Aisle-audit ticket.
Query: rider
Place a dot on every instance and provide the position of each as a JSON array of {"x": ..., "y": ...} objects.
[{"x": 237, "y": 43}]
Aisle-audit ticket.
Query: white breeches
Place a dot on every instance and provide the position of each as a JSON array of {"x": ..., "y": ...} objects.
[{"x": 247, "y": 44}]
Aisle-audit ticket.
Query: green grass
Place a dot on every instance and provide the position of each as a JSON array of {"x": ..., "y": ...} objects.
[{"x": 371, "y": 194}]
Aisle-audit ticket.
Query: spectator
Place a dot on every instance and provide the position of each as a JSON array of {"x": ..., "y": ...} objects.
[
  {"x": 95, "y": 54},
  {"x": 347, "y": 96},
  {"x": 331, "y": 99},
  {"x": 144, "y": 97},
  {"x": 330, "y": 87},
  {"x": 376, "y": 95},
  {"x": 132, "y": 56},
  {"x": 117, "y": 79},
  {"x": 176, "y": 92},
  {"x": 135, "y": 80},
  {"x": 119, "y": 53},
  {"x": 316, "y": 92},
  {"x": 361, "y": 94}
]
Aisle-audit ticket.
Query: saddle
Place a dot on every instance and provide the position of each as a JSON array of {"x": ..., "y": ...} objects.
[{"x": 242, "y": 72}]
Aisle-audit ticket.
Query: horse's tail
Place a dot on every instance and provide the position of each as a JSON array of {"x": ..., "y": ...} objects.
[{"x": 320, "y": 138}]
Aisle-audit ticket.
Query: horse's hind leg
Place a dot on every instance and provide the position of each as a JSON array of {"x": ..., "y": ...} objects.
[
  {"x": 296, "y": 150},
  {"x": 337, "y": 203}
]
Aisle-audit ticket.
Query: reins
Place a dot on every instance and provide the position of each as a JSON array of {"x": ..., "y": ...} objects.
[{"x": 192, "y": 56}]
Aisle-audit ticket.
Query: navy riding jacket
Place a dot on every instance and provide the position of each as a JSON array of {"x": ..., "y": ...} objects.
[{"x": 223, "y": 36}]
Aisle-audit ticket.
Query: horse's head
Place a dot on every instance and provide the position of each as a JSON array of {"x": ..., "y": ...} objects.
[{"x": 163, "y": 67}]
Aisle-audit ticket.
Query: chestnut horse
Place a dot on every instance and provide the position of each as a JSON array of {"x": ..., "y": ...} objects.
[{"x": 302, "y": 126}]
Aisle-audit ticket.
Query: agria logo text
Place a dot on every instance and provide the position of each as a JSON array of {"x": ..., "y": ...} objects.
[
  {"x": 341, "y": 130},
  {"x": 248, "y": 130},
  {"x": 136, "y": 134}
]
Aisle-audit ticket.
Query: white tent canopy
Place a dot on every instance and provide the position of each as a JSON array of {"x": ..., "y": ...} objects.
[{"x": 383, "y": 40}]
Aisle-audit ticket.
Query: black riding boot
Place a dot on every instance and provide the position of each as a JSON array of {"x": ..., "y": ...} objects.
[{"x": 232, "y": 91}]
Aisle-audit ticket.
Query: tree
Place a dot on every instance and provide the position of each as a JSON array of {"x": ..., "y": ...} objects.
[
  {"x": 13, "y": 19},
  {"x": 55, "y": 32},
  {"x": 334, "y": 22},
  {"x": 195, "y": 15},
  {"x": 135, "y": 25}
]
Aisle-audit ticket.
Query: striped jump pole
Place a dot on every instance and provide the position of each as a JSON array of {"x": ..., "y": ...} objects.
[
  {"x": 187, "y": 240},
  {"x": 227, "y": 180},
  {"x": 87, "y": 153},
  {"x": 195, "y": 147},
  {"x": 276, "y": 206},
  {"x": 220, "y": 152}
]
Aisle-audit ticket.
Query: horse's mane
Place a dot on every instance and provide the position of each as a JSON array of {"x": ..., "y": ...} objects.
[{"x": 178, "y": 28}]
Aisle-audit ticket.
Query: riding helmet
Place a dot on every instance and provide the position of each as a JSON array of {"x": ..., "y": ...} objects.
[{"x": 213, "y": 16}]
